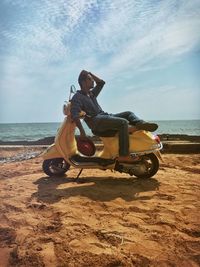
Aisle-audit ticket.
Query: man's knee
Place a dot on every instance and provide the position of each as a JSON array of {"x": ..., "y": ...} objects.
[
  {"x": 130, "y": 113},
  {"x": 123, "y": 122}
]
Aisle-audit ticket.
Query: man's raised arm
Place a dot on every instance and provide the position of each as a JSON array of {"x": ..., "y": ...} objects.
[{"x": 99, "y": 84}]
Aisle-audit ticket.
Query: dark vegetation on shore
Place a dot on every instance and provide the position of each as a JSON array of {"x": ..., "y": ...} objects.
[{"x": 172, "y": 143}]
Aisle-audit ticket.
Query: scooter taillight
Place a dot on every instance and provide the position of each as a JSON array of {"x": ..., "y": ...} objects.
[{"x": 157, "y": 139}]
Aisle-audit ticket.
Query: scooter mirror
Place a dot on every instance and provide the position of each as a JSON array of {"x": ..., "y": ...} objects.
[{"x": 72, "y": 89}]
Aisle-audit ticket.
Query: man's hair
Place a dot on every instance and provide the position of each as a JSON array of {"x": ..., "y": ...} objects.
[{"x": 82, "y": 77}]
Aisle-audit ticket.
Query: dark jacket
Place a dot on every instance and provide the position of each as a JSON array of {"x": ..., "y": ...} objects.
[{"x": 87, "y": 103}]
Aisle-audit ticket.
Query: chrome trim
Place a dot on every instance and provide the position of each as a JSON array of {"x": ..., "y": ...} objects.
[{"x": 160, "y": 146}]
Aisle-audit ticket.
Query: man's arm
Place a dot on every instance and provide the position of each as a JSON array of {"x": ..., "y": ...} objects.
[
  {"x": 96, "y": 79},
  {"x": 99, "y": 84},
  {"x": 75, "y": 114},
  {"x": 80, "y": 127}
]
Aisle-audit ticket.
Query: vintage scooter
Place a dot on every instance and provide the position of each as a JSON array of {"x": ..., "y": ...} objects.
[{"x": 69, "y": 151}]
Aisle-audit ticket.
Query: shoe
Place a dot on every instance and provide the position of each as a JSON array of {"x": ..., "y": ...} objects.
[{"x": 147, "y": 126}]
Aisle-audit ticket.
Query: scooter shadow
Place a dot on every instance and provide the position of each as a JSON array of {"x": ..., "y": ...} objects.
[{"x": 94, "y": 188}]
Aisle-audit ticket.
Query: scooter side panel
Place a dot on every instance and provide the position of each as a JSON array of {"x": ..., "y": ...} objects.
[
  {"x": 138, "y": 141},
  {"x": 141, "y": 141},
  {"x": 111, "y": 147}
]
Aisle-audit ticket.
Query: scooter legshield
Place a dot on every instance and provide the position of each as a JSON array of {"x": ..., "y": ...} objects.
[
  {"x": 65, "y": 144},
  {"x": 51, "y": 152}
]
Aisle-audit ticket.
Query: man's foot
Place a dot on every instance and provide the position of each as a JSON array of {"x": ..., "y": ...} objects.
[{"x": 147, "y": 126}]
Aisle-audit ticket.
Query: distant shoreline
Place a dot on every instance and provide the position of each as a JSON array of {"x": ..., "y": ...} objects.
[
  {"x": 172, "y": 143},
  {"x": 49, "y": 140}
]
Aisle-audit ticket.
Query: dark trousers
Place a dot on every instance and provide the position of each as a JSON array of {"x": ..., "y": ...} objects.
[{"x": 118, "y": 122}]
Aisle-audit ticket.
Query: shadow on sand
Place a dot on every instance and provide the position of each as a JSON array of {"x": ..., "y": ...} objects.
[{"x": 94, "y": 188}]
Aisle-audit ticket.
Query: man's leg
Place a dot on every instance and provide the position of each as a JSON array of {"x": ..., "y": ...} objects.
[
  {"x": 128, "y": 115},
  {"x": 135, "y": 121},
  {"x": 107, "y": 122}
]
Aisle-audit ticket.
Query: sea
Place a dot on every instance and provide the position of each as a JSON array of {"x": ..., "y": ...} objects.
[{"x": 36, "y": 131}]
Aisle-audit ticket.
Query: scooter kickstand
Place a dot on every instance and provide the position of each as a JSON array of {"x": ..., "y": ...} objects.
[{"x": 78, "y": 175}]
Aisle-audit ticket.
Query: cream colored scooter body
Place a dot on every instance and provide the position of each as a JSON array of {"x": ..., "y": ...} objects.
[{"x": 140, "y": 143}]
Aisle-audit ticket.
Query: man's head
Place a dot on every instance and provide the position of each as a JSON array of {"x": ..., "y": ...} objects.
[{"x": 85, "y": 80}]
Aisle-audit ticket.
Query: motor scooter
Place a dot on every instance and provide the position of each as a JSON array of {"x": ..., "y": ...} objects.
[{"x": 69, "y": 151}]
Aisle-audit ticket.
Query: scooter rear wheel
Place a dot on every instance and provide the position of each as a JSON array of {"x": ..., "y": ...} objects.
[
  {"x": 151, "y": 163},
  {"x": 55, "y": 167}
]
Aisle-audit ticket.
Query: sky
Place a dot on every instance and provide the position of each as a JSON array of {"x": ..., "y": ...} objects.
[{"x": 148, "y": 52}]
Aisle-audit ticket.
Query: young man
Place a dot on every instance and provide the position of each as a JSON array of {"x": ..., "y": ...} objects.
[{"x": 98, "y": 120}]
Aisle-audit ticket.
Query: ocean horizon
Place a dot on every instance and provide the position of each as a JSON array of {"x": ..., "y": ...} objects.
[{"x": 40, "y": 130}]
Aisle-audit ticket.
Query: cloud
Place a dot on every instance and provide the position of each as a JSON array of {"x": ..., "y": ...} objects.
[
  {"x": 45, "y": 45},
  {"x": 140, "y": 32},
  {"x": 167, "y": 39},
  {"x": 42, "y": 35}
]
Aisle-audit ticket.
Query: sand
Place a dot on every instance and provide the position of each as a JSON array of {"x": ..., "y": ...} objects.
[{"x": 107, "y": 219}]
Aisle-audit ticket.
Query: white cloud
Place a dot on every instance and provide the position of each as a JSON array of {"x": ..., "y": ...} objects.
[
  {"x": 168, "y": 39},
  {"x": 132, "y": 32},
  {"x": 42, "y": 37},
  {"x": 54, "y": 40}
]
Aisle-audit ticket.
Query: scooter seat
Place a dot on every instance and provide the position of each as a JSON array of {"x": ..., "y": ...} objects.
[{"x": 108, "y": 133}]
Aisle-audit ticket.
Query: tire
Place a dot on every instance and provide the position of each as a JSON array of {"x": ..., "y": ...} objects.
[
  {"x": 152, "y": 165},
  {"x": 55, "y": 167}
]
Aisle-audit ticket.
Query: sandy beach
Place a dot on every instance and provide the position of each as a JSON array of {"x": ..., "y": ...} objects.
[{"x": 107, "y": 219}]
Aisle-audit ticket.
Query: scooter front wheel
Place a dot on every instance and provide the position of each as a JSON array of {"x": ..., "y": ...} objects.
[{"x": 55, "y": 166}]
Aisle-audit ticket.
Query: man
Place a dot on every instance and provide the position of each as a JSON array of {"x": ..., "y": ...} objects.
[{"x": 98, "y": 120}]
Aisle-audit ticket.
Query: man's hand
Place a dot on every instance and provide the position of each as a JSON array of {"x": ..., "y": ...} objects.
[
  {"x": 95, "y": 78},
  {"x": 83, "y": 134},
  {"x": 81, "y": 129}
]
